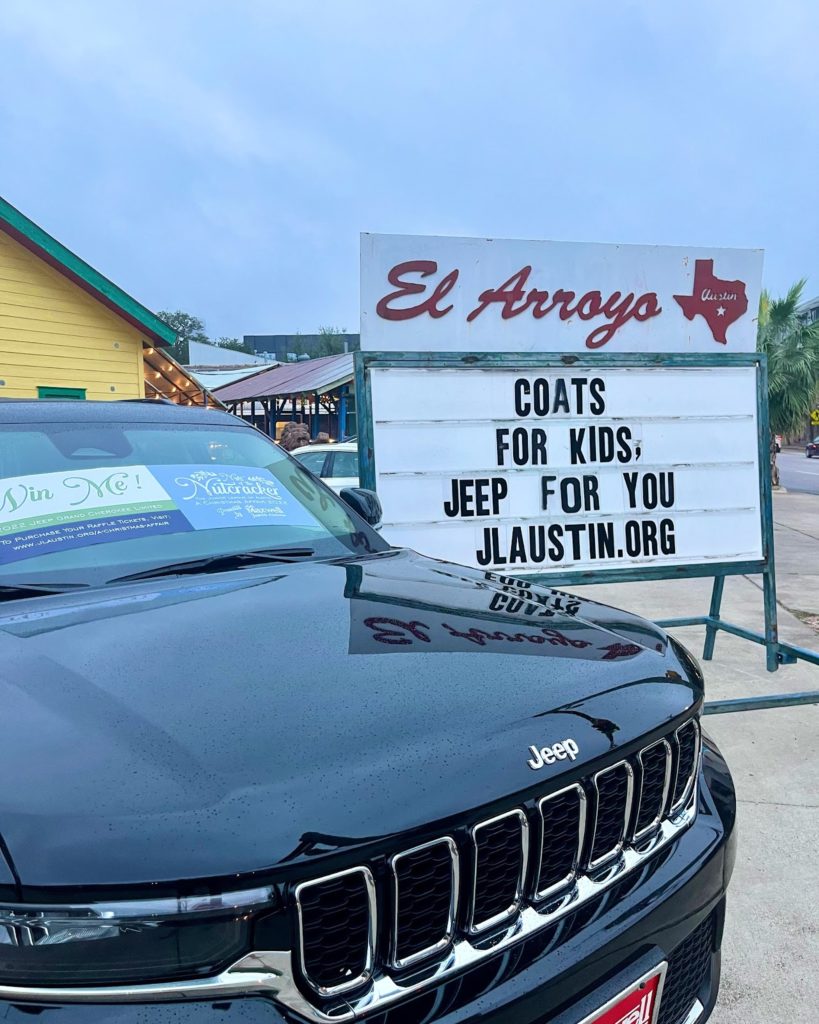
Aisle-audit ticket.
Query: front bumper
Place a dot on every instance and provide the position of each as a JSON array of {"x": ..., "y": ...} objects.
[{"x": 560, "y": 975}]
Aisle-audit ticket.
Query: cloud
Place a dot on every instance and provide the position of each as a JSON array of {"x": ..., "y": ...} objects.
[
  {"x": 224, "y": 156},
  {"x": 112, "y": 49}
]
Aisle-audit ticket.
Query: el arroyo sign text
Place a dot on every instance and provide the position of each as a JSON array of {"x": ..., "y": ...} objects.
[{"x": 462, "y": 294}]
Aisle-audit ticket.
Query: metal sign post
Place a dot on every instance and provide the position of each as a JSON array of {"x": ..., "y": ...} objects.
[
  {"x": 500, "y": 433},
  {"x": 469, "y": 365}
]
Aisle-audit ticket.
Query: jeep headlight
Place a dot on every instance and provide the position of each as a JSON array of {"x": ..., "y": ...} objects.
[{"x": 125, "y": 942}]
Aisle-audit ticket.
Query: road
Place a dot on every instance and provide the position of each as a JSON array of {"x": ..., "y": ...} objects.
[{"x": 797, "y": 473}]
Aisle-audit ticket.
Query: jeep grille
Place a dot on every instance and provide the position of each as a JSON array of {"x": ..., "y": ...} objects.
[{"x": 455, "y": 889}]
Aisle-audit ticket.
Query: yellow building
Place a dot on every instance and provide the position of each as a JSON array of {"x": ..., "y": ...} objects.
[{"x": 68, "y": 332}]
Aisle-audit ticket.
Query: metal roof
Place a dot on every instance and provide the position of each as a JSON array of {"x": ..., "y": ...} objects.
[
  {"x": 214, "y": 379},
  {"x": 308, "y": 376}
]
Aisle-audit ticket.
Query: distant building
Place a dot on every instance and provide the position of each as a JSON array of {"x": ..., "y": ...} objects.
[
  {"x": 214, "y": 366},
  {"x": 808, "y": 312},
  {"x": 204, "y": 356},
  {"x": 212, "y": 378},
  {"x": 288, "y": 347}
]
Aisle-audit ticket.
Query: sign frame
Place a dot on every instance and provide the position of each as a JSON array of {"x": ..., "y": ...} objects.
[{"x": 777, "y": 652}]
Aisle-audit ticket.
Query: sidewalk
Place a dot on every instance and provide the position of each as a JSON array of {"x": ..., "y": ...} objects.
[{"x": 771, "y": 945}]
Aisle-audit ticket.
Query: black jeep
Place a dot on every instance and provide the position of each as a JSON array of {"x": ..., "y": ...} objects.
[{"x": 260, "y": 766}]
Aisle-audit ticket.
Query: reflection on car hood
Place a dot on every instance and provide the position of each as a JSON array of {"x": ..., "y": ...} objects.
[{"x": 220, "y": 725}]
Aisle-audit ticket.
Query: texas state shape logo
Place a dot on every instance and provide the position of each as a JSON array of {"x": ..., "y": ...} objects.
[{"x": 720, "y": 303}]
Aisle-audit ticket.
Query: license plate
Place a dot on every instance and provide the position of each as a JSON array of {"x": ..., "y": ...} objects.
[{"x": 639, "y": 1004}]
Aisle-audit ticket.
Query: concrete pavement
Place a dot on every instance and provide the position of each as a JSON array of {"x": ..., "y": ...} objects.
[{"x": 771, "y": 948}]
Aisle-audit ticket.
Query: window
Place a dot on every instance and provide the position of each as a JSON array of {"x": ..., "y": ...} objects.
[
  {"x": 345, "y": 464},
  {"x": 314, "y": 461},
  {"x": 75, "y": 393},
  {"x": 119, "y": 496}
]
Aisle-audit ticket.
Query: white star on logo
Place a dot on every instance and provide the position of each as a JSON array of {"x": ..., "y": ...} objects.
[{"x": 720, "y": 310}]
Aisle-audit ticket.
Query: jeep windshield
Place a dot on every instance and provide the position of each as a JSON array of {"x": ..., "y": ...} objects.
[{"x": 87, "y": 503}]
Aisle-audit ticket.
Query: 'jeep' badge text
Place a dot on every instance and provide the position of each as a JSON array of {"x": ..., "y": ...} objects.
[{"x": 548, "y": 755}]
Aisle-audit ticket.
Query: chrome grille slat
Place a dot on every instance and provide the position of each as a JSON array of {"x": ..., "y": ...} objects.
[
  {"x": 647, "y": 800},
  {"x": 308, "y": 897},
  {"x": 549, "y": 808},
  {"x": 687, "y": 735},
  {"x": 487, "y": 866},
  {"x": 400, "y": 959},
  {"x": 608, "y": 816}
]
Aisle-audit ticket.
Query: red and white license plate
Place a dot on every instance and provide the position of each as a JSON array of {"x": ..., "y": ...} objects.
[{"x": 639, "y": 1004}]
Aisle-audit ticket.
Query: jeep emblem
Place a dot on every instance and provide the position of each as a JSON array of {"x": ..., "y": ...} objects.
[{"x": 548, "y": 755}]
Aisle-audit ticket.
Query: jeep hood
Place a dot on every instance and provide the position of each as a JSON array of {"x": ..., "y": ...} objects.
[{"x": 239, "y": 723}]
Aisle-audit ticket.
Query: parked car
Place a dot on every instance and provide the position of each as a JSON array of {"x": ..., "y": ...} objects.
[
  {"x": 260, "y": 763},
  {"x": 812, "y": 448},
  {"x": 336, "y": 464}
]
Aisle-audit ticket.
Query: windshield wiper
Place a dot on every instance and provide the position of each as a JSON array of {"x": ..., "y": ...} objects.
[
  {"x": 13, "y": 591},
  {"x": 220, "y": 563}
]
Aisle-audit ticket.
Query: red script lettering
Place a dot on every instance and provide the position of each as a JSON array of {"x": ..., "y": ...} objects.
[
  {"x": 429, "y": 305},
  {"x": 514, "y": 297}
]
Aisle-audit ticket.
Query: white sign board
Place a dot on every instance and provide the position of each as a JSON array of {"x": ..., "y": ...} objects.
[
  {"x": 532, "y": 470},
  {"x": 427, "y": 293}
]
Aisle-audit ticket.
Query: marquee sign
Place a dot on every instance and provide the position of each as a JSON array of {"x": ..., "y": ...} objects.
[
  {"x": 535, "y": 469},
  {"x": 437, "y": 294},
  {"x": 572, "y": 412}
]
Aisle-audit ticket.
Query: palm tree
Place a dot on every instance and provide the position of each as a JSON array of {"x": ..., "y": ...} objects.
[{"x": 792, "y": 348}]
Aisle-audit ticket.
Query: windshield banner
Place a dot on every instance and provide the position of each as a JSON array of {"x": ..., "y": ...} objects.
[
  {"x": 54, "y": 511},
  {"x": 217, "y": 496},
  {"x": 77, "y": 508}
]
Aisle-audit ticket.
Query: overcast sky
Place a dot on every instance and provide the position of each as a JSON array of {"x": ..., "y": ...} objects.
[{"x": 222, "y": 157}]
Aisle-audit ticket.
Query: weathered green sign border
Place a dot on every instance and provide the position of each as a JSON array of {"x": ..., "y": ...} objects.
[{"x": 777, "y": 652}]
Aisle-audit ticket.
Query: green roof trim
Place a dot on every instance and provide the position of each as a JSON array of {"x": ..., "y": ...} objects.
[{"x": 34, "y": 238}]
